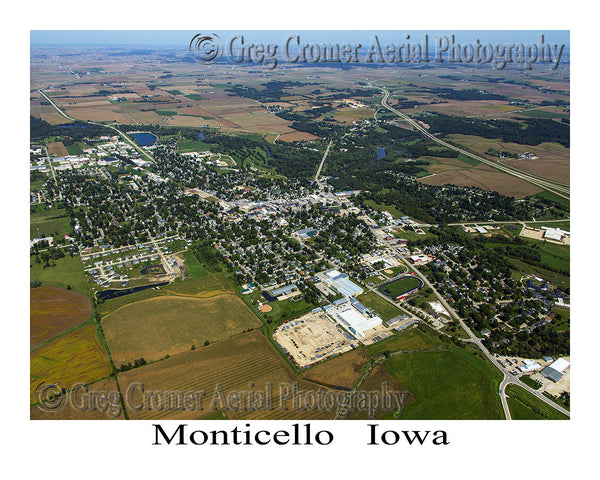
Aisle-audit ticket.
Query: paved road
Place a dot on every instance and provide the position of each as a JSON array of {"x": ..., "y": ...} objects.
[
  {"x": 507, "y": 376},
  {"x": 323, "y": 161},
  {"x": 549, "y": 185}
]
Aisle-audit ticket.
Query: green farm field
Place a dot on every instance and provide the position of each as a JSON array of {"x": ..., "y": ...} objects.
[{"x": 449, "y": 384}]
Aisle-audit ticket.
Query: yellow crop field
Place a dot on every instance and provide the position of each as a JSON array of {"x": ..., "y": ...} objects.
[{"x": 70, "y": 359}]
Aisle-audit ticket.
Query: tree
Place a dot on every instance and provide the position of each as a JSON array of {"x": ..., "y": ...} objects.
[{"x": 206, "y": 343}]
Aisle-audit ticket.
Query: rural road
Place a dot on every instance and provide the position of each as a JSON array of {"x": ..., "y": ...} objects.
[
  {"x": 322, "y": 161},
  {"x": 549, "y": 185}
]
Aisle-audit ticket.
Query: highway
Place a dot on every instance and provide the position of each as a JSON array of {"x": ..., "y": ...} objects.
[
  {"x": 508, "y": 377},
  {"x": 557, "y": 188}
]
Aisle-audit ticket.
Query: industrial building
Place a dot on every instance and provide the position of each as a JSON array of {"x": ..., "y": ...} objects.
[
  {"x": 358, "y": 324},
  {"x": 529, "y": 366},
  {"x": 339, "y": 282},
  {"x": 555, "y": 234},
  {"x": 555, "y": 371}
]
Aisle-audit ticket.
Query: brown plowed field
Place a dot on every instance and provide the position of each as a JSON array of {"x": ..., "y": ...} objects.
[{"x": 54, "y": 310}]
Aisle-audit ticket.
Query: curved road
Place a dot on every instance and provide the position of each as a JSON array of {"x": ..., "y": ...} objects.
[{"x": 508, "y": 377}]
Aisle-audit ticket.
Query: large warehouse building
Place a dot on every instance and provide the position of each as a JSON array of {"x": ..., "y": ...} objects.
[
  {"x": 358, "y": 324},
  {"x": 342, "y": 284}
]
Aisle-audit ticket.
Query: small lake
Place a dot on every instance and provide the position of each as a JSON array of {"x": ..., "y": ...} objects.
[
  {"x": 144, "y": 139},
  {"x": 268, "y": 152},
  {"x": 200, "y": 135},
  {"x": 380, "y": 152}
]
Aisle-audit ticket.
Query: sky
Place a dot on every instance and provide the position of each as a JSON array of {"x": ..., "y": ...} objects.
[{"x": 153, "y": 38}]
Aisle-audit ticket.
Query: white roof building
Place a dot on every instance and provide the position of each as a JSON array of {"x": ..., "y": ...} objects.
[
  {"x": 358, "y": 324},
  {"x": 560, "y": 365}
]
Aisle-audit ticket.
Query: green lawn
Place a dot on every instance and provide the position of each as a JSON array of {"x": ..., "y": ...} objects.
[
  {"x": 195, "y": 268},
  {"x": 47, "y": 223},
  {"x": 410, "y": 340},
  {"x": 525, "y": 406},
  {"x": 67, "y": 271},
  {"x": 76, "y": 148},
  {"x": 186, "y": 145},
  {"x": 379, "y": 306},
  {"x": 449, "y": 384}
]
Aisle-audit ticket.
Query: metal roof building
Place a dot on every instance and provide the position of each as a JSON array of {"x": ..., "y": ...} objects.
[
  {"x": 551, "y": 374},
  {"x": 358, "y": 323}
]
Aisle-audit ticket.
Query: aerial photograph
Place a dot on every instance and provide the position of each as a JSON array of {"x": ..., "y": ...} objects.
[{"x": 299, "y": 225}]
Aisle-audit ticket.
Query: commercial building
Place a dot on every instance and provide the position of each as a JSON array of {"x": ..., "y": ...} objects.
[
  {"x": 358, "y": 324},
  {"x": 339, "y": 282},
  {"x": 555, "y": 370}
]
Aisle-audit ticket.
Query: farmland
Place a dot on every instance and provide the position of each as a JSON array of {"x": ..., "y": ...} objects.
[
  {"x": 245, "y": 362},
  {"x": 448, "y": 384},
  {"x": 73, "y": 358},
  {"x": 342, "y": 371},
  {"x": 53, "y": 311},
  {"x": 88, "y": 409},
  {"x": 156, "y": 327}
]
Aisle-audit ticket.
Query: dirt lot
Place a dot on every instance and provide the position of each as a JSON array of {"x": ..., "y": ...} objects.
[
  {"x": 57, "y": 148},
  {"x": 311, "y": 338},
  {"x": 343, "y": 371}
]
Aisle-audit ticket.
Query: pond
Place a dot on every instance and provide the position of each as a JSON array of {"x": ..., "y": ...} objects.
[
  {"x": 144, "y": 139},
  {"x": 380, "y": 152},
  {"x": 110, "y": 294}
]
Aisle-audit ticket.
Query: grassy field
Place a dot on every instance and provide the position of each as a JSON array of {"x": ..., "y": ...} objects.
[
  {"x": 154, "y": 328},
  {"x": 53, "y": 311},
  {"x": 71, "y": 358},
  {"x": 186, "y": 145},
  {"x": 246, "y": 362},
  {"x": 525, "y": 406},
  {"x": 449, "y": 384},
  {"x": 410, "y": 340},
  {"x": 65, "y": 271},
  {"x": 400, "y": 286},
  {"x": 385, "y": 208},
  {"x": 194, "y": 267},
  {"x": 527, "y": 380},
  {"x": 201, "y": 287},
  {"x": 379, "y": 306},
  {"x": 48, "y": 223}
]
